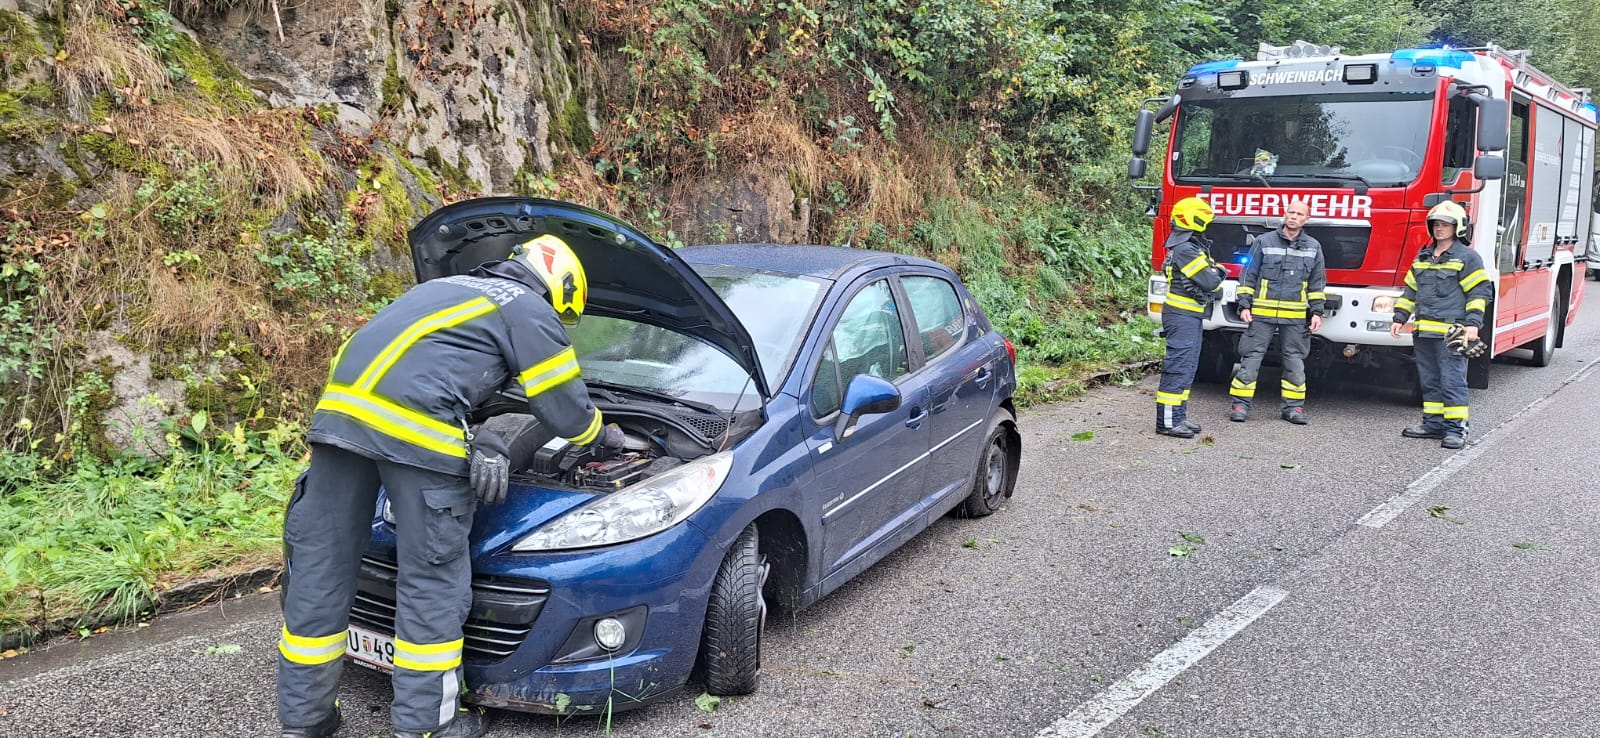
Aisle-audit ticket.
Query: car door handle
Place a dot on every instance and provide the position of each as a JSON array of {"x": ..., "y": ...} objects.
[
  {"x": 917, "y": 416},
  {"x": 982, "y": 377}
]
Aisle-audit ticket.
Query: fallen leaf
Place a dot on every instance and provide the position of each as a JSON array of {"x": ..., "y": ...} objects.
[
  {"x": 1084, "y": 436},
  {"x": 1192, "y": 537},
  {"x": 1530, "y": 546}
]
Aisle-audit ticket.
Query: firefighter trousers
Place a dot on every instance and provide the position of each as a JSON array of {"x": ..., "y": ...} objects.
[
  {"x": 1295, "y": 337},
  {"x": 1183, "y": 331},
  {"x": 326, "y": 529},
  {"x": 1443, "y": 376}
]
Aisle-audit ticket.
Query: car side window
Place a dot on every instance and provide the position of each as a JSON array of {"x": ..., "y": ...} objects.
[
  {"x": 826, "y": 394},
  {"x": 937, "y": 310},
  {"x": 867, "y": 339}
]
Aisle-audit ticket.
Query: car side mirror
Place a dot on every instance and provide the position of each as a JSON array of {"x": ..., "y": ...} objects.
[{"x": 866, "y": 395}]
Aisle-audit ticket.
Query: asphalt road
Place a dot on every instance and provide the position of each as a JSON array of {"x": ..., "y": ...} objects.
[{"x": 1338, "y": 580}]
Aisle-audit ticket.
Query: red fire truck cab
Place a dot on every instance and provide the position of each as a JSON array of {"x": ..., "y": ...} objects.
[{"x": 1371, "y": 142}]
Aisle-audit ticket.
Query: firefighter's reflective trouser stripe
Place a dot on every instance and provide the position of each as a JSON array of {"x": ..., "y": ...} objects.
[
  {"x": 1183, "y": 332},
  {"x": 1295, "y": 338},
  {"x": 1443, "y": 376},
  {"x": 327, "y": 528}
]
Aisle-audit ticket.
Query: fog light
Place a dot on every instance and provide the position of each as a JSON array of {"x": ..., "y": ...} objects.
[
  {"x": 610, "y": 634},
  {"x": 1383, "y": 304},
  {"x": 1379, "y": 326}
]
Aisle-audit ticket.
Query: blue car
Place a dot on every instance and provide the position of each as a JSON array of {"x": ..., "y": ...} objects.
[{"x": 793, "y": 414}]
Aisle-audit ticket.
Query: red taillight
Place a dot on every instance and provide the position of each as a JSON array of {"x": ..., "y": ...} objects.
[{"x": 1010, "y": 350}]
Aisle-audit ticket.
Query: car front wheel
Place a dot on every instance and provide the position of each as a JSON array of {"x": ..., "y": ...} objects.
[
  {"x": 735, "y": 617},
  {"x": 997, "y": 471}
]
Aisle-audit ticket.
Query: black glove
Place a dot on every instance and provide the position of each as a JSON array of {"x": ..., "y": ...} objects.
[
  {"x": 491, "y": 467},
  {"x": 1456, "y": 340}
]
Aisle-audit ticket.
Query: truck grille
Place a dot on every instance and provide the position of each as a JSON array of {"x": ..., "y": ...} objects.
[
  {"x": 1343, "y": 247},
  {"x": 502, "y": 614}
]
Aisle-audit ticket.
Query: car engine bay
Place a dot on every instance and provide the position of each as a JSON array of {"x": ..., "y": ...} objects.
[{"x": 658, "y": 437}]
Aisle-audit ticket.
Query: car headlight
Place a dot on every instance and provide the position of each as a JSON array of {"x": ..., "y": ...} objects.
[{"x": 646, "y": 508}]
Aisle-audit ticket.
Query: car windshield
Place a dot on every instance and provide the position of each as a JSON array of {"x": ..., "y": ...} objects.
[
  {"x": 774, "y": 308},
  {"x": 1377, "y": 139}
]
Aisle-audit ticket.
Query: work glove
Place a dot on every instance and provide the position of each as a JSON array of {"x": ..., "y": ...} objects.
[
  {"x": 610, "y": 437},
  {"x": 1456, "y": 340},
  {"x": 490, "y": 461}
]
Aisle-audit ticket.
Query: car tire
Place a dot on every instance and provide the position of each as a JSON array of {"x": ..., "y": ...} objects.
[
  {"x": 997, "y": 470},
  {"x": 735, "y": 617}
]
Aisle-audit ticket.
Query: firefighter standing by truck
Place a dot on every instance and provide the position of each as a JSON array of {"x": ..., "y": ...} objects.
[
  {"x": 394, "y": 413},
  {"x": 1447, "y": 292},
  {"x": 1282, "y": 283},
  {"x": 1194, "y": 283}
]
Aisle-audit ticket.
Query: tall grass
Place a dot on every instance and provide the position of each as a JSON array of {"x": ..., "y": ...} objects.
[{"x": 102, "y": 542}]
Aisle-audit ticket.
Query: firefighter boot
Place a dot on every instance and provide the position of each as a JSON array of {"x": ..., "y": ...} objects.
[
  {"x": 324, "y": 729},
  {"x": 1181, "y": 430},
  {"x": 1422, "y": 431},
  {"x": 1296, "y": 415},
  {"x": 1239, "y": 413},
  {"x": 470, "y": 722},
  {"x": 1191, "y": 425}
]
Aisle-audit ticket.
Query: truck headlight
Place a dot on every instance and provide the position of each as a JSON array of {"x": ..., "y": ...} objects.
[
  {"x": 1383, "y": 304},
  {"x": 643, "y": 509}
]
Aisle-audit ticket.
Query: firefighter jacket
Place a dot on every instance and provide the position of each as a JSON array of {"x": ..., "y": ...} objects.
[
  {"x": 1443, "y": 289},
  {"x": 401, "y": 387},
  {"x": 1194, "y": 281},
  {"x": 1283, "y": 280}
]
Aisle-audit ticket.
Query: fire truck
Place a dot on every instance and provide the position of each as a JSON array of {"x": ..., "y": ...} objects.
[{"x": 1371, "y": 142}]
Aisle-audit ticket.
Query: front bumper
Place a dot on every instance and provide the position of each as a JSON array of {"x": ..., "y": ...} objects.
[
  {"x": 1354, "y": 321},
  {"x": 528, "y": 636}
]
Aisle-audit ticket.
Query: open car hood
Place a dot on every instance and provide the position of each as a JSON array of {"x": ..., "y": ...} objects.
[{"x": 630, "y": 276}]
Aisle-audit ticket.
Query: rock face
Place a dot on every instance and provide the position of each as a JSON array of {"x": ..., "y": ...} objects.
[{"x": 485, "y": 92}]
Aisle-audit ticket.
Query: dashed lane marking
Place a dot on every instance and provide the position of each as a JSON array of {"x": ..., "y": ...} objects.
[{"x": 1093, "y": 716}]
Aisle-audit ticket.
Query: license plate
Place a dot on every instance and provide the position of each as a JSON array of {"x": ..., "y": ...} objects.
[{"x": 370, "y": 649}]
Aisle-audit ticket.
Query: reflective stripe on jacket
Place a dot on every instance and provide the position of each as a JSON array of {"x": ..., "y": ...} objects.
[
  {"x": 1283, "y": 280},
  {"x": 401, "y": 388},
  {"x": 1445, "y": 289},
  {"x": 1193, "y": 279}
]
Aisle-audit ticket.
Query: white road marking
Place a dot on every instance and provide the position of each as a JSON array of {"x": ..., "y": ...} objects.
[
  {"x": 1414, "y": 492},
  {"x": 1104, "y": 709}
]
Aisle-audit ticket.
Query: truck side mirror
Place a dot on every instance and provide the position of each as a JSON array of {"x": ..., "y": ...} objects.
[
  {"x": 1489, "y": 167},
  {"x": 1142, "y": 127},
  {"x": 1492, "y": 123},
  {"x": 1136, "y": 167}
]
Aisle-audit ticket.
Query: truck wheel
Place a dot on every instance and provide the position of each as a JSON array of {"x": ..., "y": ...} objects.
[
  {"x": 1544, "y": 349},
  {"x": 735, "y": 617}
]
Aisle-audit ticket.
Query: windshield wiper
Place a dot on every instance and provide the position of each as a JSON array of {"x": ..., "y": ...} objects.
[
  {"x": 650, "y": 393},
  {"x": 1338, "y": 176}
]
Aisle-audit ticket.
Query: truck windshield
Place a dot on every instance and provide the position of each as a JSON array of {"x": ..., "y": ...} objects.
[{"x": 1296, "y": 140}]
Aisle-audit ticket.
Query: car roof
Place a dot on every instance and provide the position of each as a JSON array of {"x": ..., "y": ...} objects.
[{"x": 827, "y": 262}]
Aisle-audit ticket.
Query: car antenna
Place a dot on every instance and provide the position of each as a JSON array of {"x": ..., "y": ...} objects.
[{"x": 850, "y": 242}]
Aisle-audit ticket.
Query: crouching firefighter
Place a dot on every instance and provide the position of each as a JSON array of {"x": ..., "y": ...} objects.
[
  {"x": 394, "y": 414},
  {"x": 1446, "y": 286},
  {"x": 1281, "y": 285},
  {"x": 1194, "y": 283}
]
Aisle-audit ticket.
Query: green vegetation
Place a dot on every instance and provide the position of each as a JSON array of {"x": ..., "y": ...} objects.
[{"x": 236, "y": 246}]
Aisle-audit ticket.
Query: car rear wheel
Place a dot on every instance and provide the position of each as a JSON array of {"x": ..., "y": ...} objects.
[
  {"x": 997, "y": 472},
  {"x": 735, "y": 618}
]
